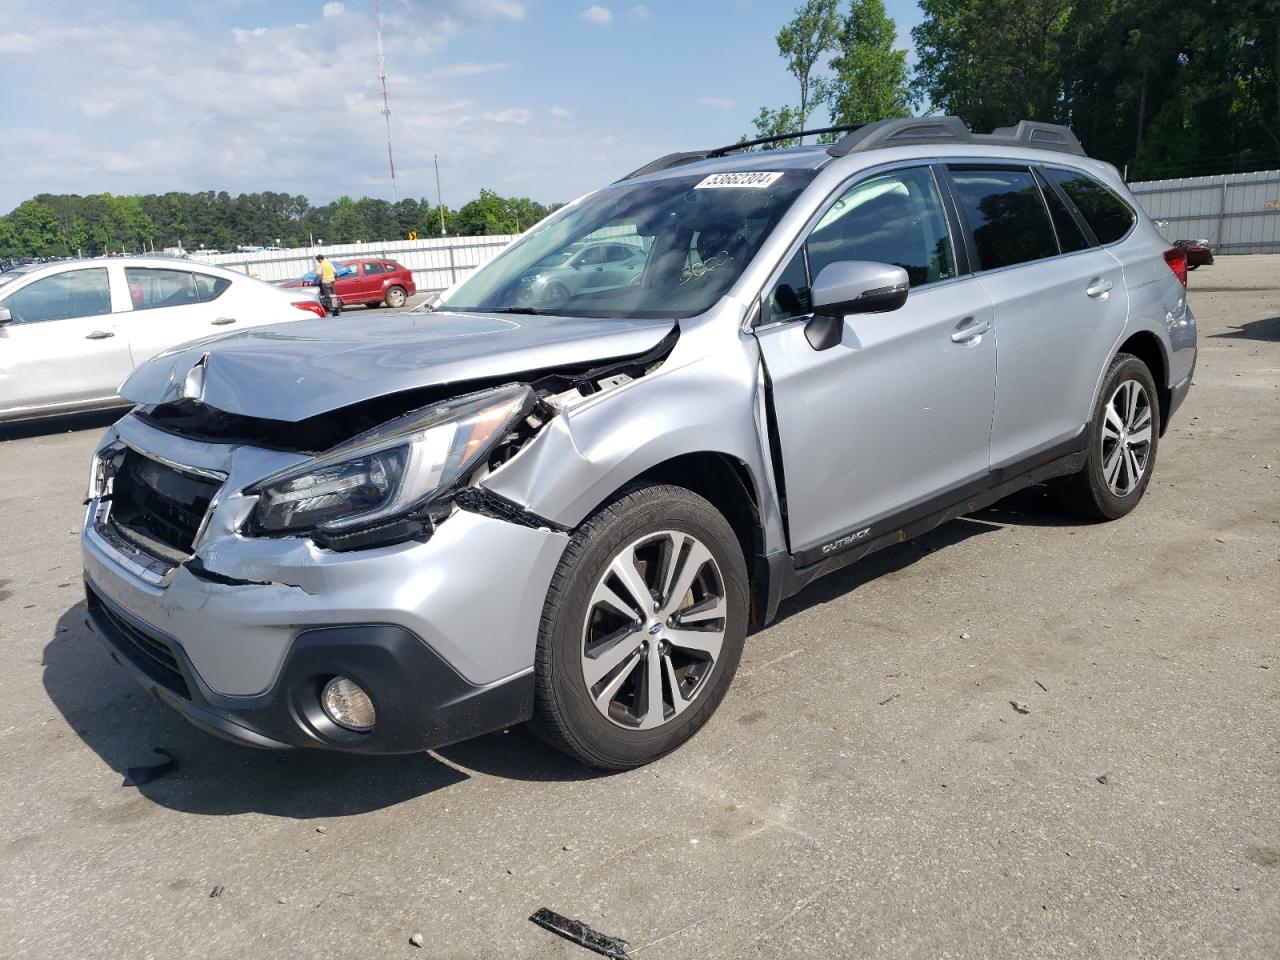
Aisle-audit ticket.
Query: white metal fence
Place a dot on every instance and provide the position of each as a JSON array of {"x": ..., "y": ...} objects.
[
  {"x": 436, "y": 264},
  {"x": 1235, "y": 212}
]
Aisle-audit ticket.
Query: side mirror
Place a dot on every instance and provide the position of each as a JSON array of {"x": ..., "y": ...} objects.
[
  {"x": 852, "y": 286},
  {"x": 6, "y": 316}
]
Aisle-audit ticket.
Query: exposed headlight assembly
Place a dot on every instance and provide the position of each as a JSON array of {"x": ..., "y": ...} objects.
[{"x": 389, "y": 474}]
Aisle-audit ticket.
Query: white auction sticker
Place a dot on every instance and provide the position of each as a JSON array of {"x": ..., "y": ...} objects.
[{"x": 749, "y": 181}]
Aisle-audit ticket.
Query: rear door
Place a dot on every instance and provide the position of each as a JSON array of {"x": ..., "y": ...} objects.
[
  {"x": 172, "y": 307},
  {"x": 900, "y": 411},
  {"x": 63, "y": 345},
  {"x": 1060, "y": 306}
]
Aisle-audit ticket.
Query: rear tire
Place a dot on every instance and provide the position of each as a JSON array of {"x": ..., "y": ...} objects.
[
  {"x": 1124, "y": 435},
  {"x": 395, "y": 297},
  {"x": 672, "y": 561}
]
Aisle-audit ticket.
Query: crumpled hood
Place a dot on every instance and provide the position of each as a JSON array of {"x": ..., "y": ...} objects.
[{"x": 292, "y": 371}]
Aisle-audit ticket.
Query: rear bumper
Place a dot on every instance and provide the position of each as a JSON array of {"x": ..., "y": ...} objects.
[{"x": 421, "y": 702}]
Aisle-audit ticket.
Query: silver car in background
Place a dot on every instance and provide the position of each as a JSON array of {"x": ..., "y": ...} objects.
[
  {"x": 71, "y": 331},
  {"x": 391, "y": 536}
]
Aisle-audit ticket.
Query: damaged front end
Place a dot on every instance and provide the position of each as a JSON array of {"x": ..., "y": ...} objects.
[{"x": 230, "y": 550}]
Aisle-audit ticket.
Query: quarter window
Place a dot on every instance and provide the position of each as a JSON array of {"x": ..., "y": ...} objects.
[
  {"x": 76, "y": 293},
  {"x": 1005, "y": 214},
  {"x": 149, "y": 288},
  {"x": 1108, "y": 216},
  {"x": 892, "y": 218},
  {"x": 210, "y": 287}
]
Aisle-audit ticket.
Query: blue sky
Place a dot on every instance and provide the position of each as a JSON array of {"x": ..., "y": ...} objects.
[{"x": 543, "y": 98}]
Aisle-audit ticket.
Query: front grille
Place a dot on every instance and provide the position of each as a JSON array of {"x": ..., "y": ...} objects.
[
  {"x": 150, "y": 654},
  {"x": 158, "y": 508}
]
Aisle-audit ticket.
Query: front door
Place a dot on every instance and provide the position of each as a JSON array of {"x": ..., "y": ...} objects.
[
  {"x": 62, "y": 347},
  {"x": 900, "y": 411}
]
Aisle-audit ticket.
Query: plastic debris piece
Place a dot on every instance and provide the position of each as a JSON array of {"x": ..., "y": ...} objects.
[
  {"x": 137, "y": 776},
  {"x": 417, "y": 940},
  {"x": 1102, "y": 779},
  {"x": 575, "y": 931},
  {"x": 1019, "y": 706},
  {"x": 216, "y": 891}
]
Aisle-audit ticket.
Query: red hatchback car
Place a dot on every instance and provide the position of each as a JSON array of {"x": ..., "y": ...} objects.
[{"x": 371, "y": 282}]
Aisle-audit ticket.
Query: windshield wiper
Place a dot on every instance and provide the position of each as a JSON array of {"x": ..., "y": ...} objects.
[{"x": 527, "y": 311}]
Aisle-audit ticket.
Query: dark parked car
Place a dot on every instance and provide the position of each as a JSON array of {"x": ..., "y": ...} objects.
[{"x": 1198, "y": 252}]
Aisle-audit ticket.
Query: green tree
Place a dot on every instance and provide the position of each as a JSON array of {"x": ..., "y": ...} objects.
[
  {"x": 869, "y": 75},
  {"x": 803, "y": 42},
  {"x": 775, "y": 123}
]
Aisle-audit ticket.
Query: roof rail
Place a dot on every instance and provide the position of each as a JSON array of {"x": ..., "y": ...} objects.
[
  {"x": 915, "y": 130},
  {"x": 678, "y": 159}
]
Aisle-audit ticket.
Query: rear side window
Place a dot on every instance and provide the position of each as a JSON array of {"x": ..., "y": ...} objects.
[
  {"x": 371, "y": 268},
  {"x": 1108, "y": 216},
  {"x": 1070, "y": 237},
  {"x": 149, "y": 288},
  {"x": 392, "y": 267},
  {"x": 1005, "y": 214},
  {"x": 210, "y": 288}
]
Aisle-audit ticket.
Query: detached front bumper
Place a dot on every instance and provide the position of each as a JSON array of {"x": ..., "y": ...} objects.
[{"x": 441, "y": 634}]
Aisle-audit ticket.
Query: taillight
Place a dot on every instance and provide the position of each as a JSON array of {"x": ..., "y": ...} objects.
[
  {"x": 1176, "y": 258},
  {"x": 313, "y": 307}
]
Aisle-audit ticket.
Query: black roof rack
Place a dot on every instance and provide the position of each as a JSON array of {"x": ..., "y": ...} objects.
[
  {"x": 678, "y": 159},
  {"x": 905, "y": 131},
  {"x": 912, "y": 130}
]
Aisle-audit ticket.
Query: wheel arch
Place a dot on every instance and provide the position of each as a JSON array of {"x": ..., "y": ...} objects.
[{"x": 1148, "y": 348}]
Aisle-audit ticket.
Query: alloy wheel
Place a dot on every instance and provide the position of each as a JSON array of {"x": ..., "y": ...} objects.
[
  {"x": 654, "y": 627},
  {"x": 1126, "y": 438}
]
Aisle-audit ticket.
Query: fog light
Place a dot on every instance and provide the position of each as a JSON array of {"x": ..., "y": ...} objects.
[{"x": 347, "y": 705}]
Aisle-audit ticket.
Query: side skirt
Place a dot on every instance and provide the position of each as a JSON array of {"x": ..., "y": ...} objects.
[{"x": 793, "y": 572}]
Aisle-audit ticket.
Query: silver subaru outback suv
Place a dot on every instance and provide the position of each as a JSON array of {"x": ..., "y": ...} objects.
[{"x": 568, "y": 504}]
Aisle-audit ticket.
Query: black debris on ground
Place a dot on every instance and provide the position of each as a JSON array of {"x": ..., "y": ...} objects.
[{"x": 575, "y": 931}]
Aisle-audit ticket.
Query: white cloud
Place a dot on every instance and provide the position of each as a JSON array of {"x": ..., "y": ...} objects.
[
  {"x": 517, "y": 115},
  {"x": 641, "y": 12},
  {"x": 561, "y": 113},
  {"x": 334, "y": 9},
  {"x": 600, "y": 16},
  {"x": 451, "y": 70},
  {"x": 17, "y": 43},
  {"x": 718, "y": 103}
]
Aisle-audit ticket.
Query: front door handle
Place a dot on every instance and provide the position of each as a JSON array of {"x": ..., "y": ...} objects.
[
  {"x": 222, "y": 321},
  {"x": 1098, "y": 288},
  {"x": 969, "y": 330},
  {"x": 99, "y": 335}
]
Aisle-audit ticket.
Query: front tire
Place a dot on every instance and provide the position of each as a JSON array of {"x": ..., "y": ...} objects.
[
  {"x": 1123, "y": 437},
  {"x": 642, "y": 630}
]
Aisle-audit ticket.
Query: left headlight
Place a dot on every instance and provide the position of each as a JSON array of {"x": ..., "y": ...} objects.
[{"x": 391, "y": 471}]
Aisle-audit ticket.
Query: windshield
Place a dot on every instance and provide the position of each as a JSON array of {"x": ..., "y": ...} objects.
[{"x": 661, "y": 249}]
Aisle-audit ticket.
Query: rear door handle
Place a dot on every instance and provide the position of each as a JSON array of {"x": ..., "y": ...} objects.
[
  {"x": 969, "y": 330},
  {"x": 222, "y": 321},
  {"x": 1098, "y": 288},
  {"x": 99, "y": 335}
]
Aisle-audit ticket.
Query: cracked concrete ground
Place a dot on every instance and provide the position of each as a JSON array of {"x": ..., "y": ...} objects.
[{"x": 866, "y": 790}]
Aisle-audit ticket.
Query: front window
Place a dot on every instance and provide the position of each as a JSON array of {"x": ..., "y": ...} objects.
[
  {"x": 77, "y": 293},
  {"x": 659, "y": 249}
]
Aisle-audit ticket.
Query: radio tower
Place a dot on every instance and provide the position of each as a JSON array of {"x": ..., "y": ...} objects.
[{"x": 386, "y": 101}]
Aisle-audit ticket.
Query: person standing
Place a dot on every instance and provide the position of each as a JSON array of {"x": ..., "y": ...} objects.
[{"x": 325, "y": 277}]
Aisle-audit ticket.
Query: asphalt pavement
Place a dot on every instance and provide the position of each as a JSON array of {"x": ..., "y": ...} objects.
[{"x": 868, "y": 788}]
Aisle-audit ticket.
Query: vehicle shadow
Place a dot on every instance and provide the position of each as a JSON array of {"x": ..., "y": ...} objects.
[
  {"x": 1267, "y": 330},
  {"x": 61, "y": 423},
  {"x": 1029, "y": 507},
  {"x": 123, "y": 724}
]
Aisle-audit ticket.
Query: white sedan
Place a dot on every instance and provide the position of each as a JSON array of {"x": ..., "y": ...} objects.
[{"x": 72, "y": 331}]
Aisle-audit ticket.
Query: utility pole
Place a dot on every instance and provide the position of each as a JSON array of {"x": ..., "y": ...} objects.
[
  {"x": 386, "y": 101},
  {"x": 439, "y": 196}
]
